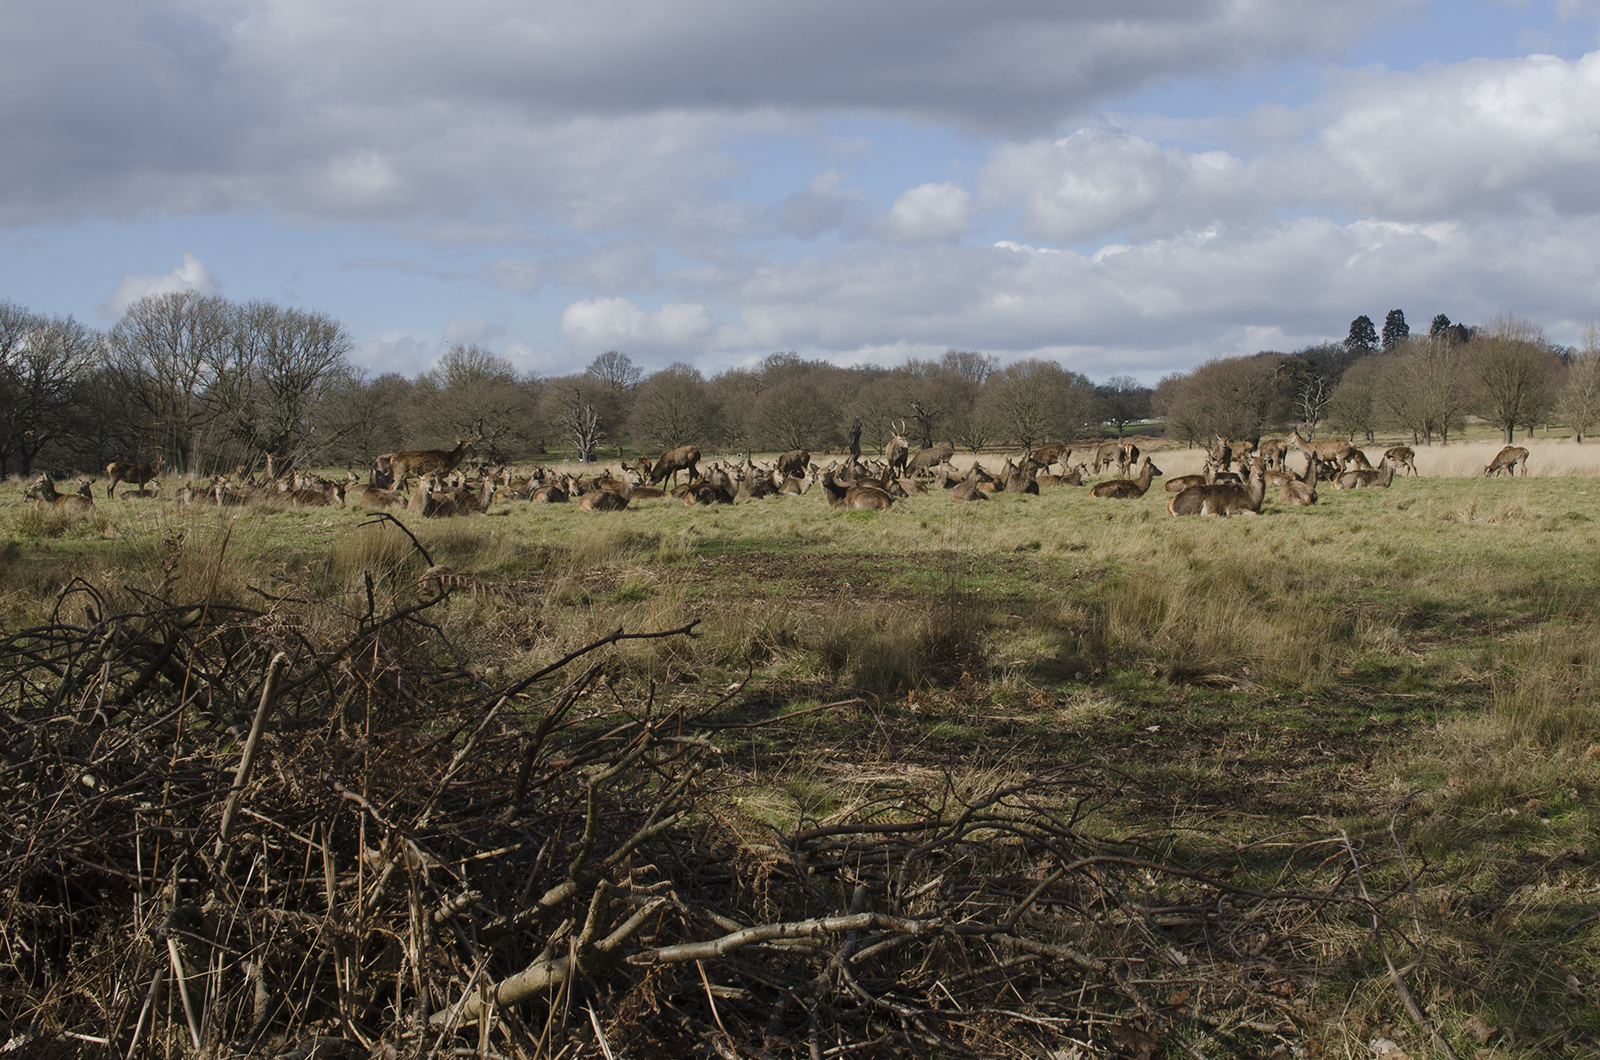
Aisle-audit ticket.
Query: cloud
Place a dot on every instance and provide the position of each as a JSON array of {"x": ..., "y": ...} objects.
[
  {"x": 472, "y": 331},
  {"x": 192, "y": 275},
  {"x": 601, "y": 324},
  {"x": 593, "y": 112},
  {"x": 822, "y": 207},
  {"x": 928, "y": 213}
]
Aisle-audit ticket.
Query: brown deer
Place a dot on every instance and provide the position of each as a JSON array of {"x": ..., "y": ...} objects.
[
  {"x": 1274, "y": 452},
  {"x": 1127, "y": 455},
  {"x": 859, "y": 497},
  {"x": 1302, "y": 491},
  {"x": 1404, "y": 457},
  {"x": 683, "y": 458},
  {"x": 794, "y": 462},
  {"x": 1366, "y": 479},
  {"x": 1332, "y": 449},
  {"x": 969, "y": 488},
  {"x": 50, "y": 500},
  {"x": 1223, "y": 499},
  {"x": 1056, "y": 453},
  {"x": 138, "y": 474},
  {"x": 1508, "y": 460},
  {"x": 1126, "y": 489},
  {"x": 898, "y": 450},
  {"x": 925, "y": 460},
  {"x": 421, "y": 462},
  {"x": 1106, "y": 455}
]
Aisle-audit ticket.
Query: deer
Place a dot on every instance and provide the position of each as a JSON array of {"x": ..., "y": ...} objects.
[
  {"x": 1106, "y": 454},
  {"x": 138, "y": 474},
  {"x": 1223, "y": 500},
  {"x": 1126, "y": 456},
  {"x": 683, "y": 458},
  {"x": 1366, "y": 479},
  {"x": 1332, "y": 449},
  {"x": 1071, "y": 478},
  {"x": 420, "y": 462},
  {"x": 1508, "y": 460},
  {"x": 1274, "y": 452},
  {"x": 925, "y": 460},
  {"x": 794, "y": 462},
  {"x": 858, "y": 497},
  {"x": 1404, "y": 457},
  {"x": 898, "y": 450},
  {"x": 49, "y": 500},
  {"x": 1055, "y": 453},
  {"x": 1128, "y": 488},
  {"x": 1302, "y": 491}
]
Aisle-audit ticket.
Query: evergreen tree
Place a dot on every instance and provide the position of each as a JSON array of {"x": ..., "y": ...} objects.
[
  {"x": 1363, "y": 336},
  {"x": 1440, "y": 322},
  {"x": 1395, "y": 329}
]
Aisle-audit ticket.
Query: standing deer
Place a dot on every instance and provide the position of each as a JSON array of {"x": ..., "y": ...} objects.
[
  {"x": 898, "y": 449},
  {"x": 421, "y": 462},
  {"x": 925, "y": 460},
  {"x": 138, "y": 474},
  {"x": 1333, "y": 449},
  {"x": 1508, "y": 460},
  {"x": 683, "y": 458},
  {"x": 1403, "y": 456},
  {"x": 1106, "y": 455},
  {"x": 794, "y": 462}
]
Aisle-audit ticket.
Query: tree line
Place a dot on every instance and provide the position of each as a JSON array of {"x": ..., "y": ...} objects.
[
  {"x": 208, "y": 384},
  {"x": 1503, "y": 372}
]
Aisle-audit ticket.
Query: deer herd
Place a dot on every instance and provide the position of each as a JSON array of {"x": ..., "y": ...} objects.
[{"x": 440, "y": 485}]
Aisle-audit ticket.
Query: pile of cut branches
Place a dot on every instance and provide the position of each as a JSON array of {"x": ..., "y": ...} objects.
[{"x": 222, "y": 838}]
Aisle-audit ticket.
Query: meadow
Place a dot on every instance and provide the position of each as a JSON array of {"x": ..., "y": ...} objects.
[{"x": 1386, "y": 700}]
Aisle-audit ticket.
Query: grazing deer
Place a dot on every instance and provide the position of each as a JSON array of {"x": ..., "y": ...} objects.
[
  {"x": 1046, "y": 455},
  {"x": 138, "y": 474},
  {"x": 1106, "y": 455},
  {"x": 683, "y": 458},
  {"x": 1128, "y": 488},
  {"x": 49, "y": 500},
  {"x": 1508, "y": 460},
  {"x": 1403, "y": 456},
  {"x": 1127, "y": 456}
]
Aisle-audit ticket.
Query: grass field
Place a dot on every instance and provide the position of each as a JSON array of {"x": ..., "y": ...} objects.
[{"x": 1414, "y": 669}]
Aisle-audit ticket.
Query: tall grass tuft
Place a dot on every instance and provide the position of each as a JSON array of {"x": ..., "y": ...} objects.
[{"x": 887, "y": 647}]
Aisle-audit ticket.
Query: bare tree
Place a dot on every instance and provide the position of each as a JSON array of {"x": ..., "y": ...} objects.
[
  {"x": 1033, "y": 400},
  {"x": 796, "y": 414},
  {"x": 1423, "y": 389},
  {"x": 969, "y": 365},
  {"x": 1353, "y": 410},
  {"x": 1236, "y": 397},
  {"x": 671, "y": 408},
  {"x": 1580, "y": 395},
  {"x": 1122, "y": 400},
  {"x": 164, "y": 353},
  {"x": 475, "y": 389},
  {"x": 43, "y": 363},
  {"x": 1513, "y": 373},
  {"x": 615, "y": 370},
  {"x": 582, "y": 423}
]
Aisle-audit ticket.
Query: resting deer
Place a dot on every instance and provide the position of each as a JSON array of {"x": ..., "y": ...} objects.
[
  {"x": 1128, "y": 488},
  {"x": 1508, "y": 460},
  {"x": 138, "y": 474},
  {"x": 860, "y": 497},
  {"x": 50, "y": 500},
  {"x": 1357, "y": 480},
  {"x": 1223, "y": 500},
  {"x": 1302, "y": 491}
]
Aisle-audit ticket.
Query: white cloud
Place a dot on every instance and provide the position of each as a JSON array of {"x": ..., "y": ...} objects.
[
  {"x": 601, "y": 324},
  {"x": 192, "y": 275},
  {"x": 928, "y": 213}
]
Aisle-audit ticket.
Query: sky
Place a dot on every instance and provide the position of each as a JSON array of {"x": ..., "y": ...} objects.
[{"x": 1124, "y": 186}]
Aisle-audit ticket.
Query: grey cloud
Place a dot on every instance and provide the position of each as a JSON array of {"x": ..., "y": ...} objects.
[{"x": 601, "y": 113}]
